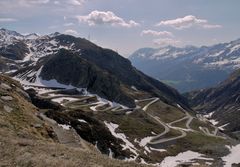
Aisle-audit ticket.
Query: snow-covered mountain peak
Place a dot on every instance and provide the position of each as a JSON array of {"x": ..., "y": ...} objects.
[
  {"x": 217, "y": 56},
  {"x": 32, "y": 36},
  {"x": 5, "y": 32},
  {"x": 8, "y": 37},
  {"x": 11, "y": 36},
  {"x": 189, "y": 67},
  {"x": 54, "y": 34},
  {"x": 163, "y": 53},
  {"x": 34, "y": 46}
]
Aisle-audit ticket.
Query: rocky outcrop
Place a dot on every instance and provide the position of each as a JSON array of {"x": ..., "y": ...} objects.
[
  {"x": 71, "y": 69},
  {"x": 15, "y": 51},
  {"x": 92, "y": 131}
]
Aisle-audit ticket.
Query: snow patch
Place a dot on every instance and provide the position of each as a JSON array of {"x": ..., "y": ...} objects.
[
  {"x": 214, "y": 122},
  {"x": 66, "y": 127},
  {"x": 236, "y": 47},
  {"x": 233, "y": 157},
  {"x": 184, "y": 157},
  {"x": 160, "y": 53},
  {"x": 209, "y": 115},
  {"x": 141, "y": 55},
  {"x": 158, "y": 149},
  {"x": 61, "y": 99},
  {"x": 110, "y": 153},
  {"x": 223, "y": 126},
  {"x": 179, "y": 106},
  {"x": 217, "y": 54},
  {"x": 128, "y": 145},
  {"x": 145, "y": 141},
  {"x": 153, "y": 133},
  {"x": 40, "y": 82},
  {"x": 98, "y": 104},
  {"x": 134, "y": 88},
  {"x": 208, "y": 163},
  {"x": 82, "y": 120}
]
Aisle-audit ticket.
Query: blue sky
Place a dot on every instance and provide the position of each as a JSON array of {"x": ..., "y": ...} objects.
[{"x": 127, "y": 25}]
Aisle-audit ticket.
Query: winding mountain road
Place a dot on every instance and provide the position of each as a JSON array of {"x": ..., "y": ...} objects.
[
  {"x": 164, "y": 140},
  {"x": 158, "y": 139},
  {"x": 167, "y": 126}
]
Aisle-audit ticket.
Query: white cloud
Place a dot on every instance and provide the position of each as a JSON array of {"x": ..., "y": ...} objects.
[
  {"x": 71, "y": 32},
  {"x": 101, "y": 18},
  {"x": 76, "y": 2},
  {"x": 39, "y": 1},
  {"x": 156, "y": 33},
  {"x": 166, "y": 41},
  {"x": 187, "y": 22},
  {"x": 33, "y": 2},
  {"x": 7, "y": 20},
  {"x": 56, "y": 2},
  {"x": 211, "y": 26},
  {"x": 20, "y": 6}
]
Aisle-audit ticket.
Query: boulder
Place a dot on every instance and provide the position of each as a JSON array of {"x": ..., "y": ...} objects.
[
  {"x": 7, "y": 98},
  {"x": 5, "y": 86},
  {"x": 7, "y": 108}
]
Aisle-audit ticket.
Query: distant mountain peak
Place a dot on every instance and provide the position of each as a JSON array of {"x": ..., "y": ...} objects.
[
  {"x": 189, "y": 67},
  {"x": 5, "y": 32},
  {"x": 32, "y": 36},
  {"x": 55, "y": 34}
]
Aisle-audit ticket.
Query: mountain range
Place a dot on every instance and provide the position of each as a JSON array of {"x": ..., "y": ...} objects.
[
  {"x": 190, "y": 67},
  {"x": 101, "y": 71},
  {"x": 74, "y": 93}
]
